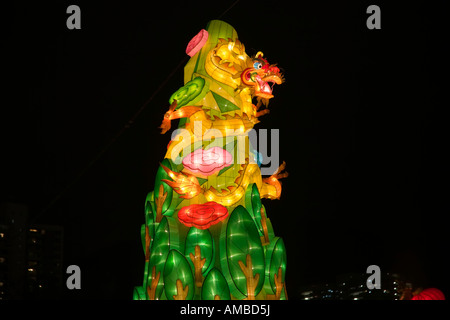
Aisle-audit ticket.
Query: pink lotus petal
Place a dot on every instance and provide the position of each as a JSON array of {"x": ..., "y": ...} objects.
[{"x": 197, "y": 43}]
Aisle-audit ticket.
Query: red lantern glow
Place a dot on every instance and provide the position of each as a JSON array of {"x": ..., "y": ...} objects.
[
  {"x": 429, "y": 294},
  {"x": 202, "y": 216}
]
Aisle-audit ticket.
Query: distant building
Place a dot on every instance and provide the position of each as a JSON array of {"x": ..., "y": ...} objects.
[
  {"x": 31, "y": 257},
  {"x": 353, "y": 286}
]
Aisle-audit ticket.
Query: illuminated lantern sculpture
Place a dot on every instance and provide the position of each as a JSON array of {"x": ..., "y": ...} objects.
[
  {"x": 429, "y": 294},
  {"x": 206, "y": 233}
]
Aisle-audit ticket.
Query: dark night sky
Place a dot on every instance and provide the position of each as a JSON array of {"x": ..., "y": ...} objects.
[{"x": 361, "y": 119}]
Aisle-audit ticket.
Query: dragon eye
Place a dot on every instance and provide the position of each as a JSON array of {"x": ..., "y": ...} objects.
[{"x": 257, "y": 65}]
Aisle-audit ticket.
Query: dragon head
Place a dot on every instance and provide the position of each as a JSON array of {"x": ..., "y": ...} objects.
[
  {"x": 228, "y": 63},
  {"x": 261, "y": 76},
  {"x": 219, "y": 57}
]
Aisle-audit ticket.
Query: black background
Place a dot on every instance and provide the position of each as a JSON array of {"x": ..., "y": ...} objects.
[{"x": 362, "y": 120}]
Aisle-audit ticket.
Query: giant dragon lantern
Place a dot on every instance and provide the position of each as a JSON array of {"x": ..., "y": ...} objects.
[{"x": 206, "y": 234}]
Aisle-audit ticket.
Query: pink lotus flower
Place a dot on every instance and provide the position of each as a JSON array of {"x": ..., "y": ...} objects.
[{"x": 203, "y": 163}]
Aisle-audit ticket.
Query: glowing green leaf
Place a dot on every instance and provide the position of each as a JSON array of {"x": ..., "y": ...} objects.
[
  {"x": 139, "y": 293},
  {"x": 214, "y": 285},
  {"x": 240, "y": 239},
  {"x": 143, "y": 236},
  {"x": 177, "y": 269},
  {"x": 204, "y": 239},
  {"x": 190, "y": 93},
  {"x": 166, "y": 238},
  {"x": 149, "y": 207},
  {"x": 160, "y": 175},
  {"x": 253, "y": 205},
  {"x": 275, "y": 259}
]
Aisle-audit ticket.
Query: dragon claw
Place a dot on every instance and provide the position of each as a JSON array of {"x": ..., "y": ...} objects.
[{"x": 273, "y": 180}]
